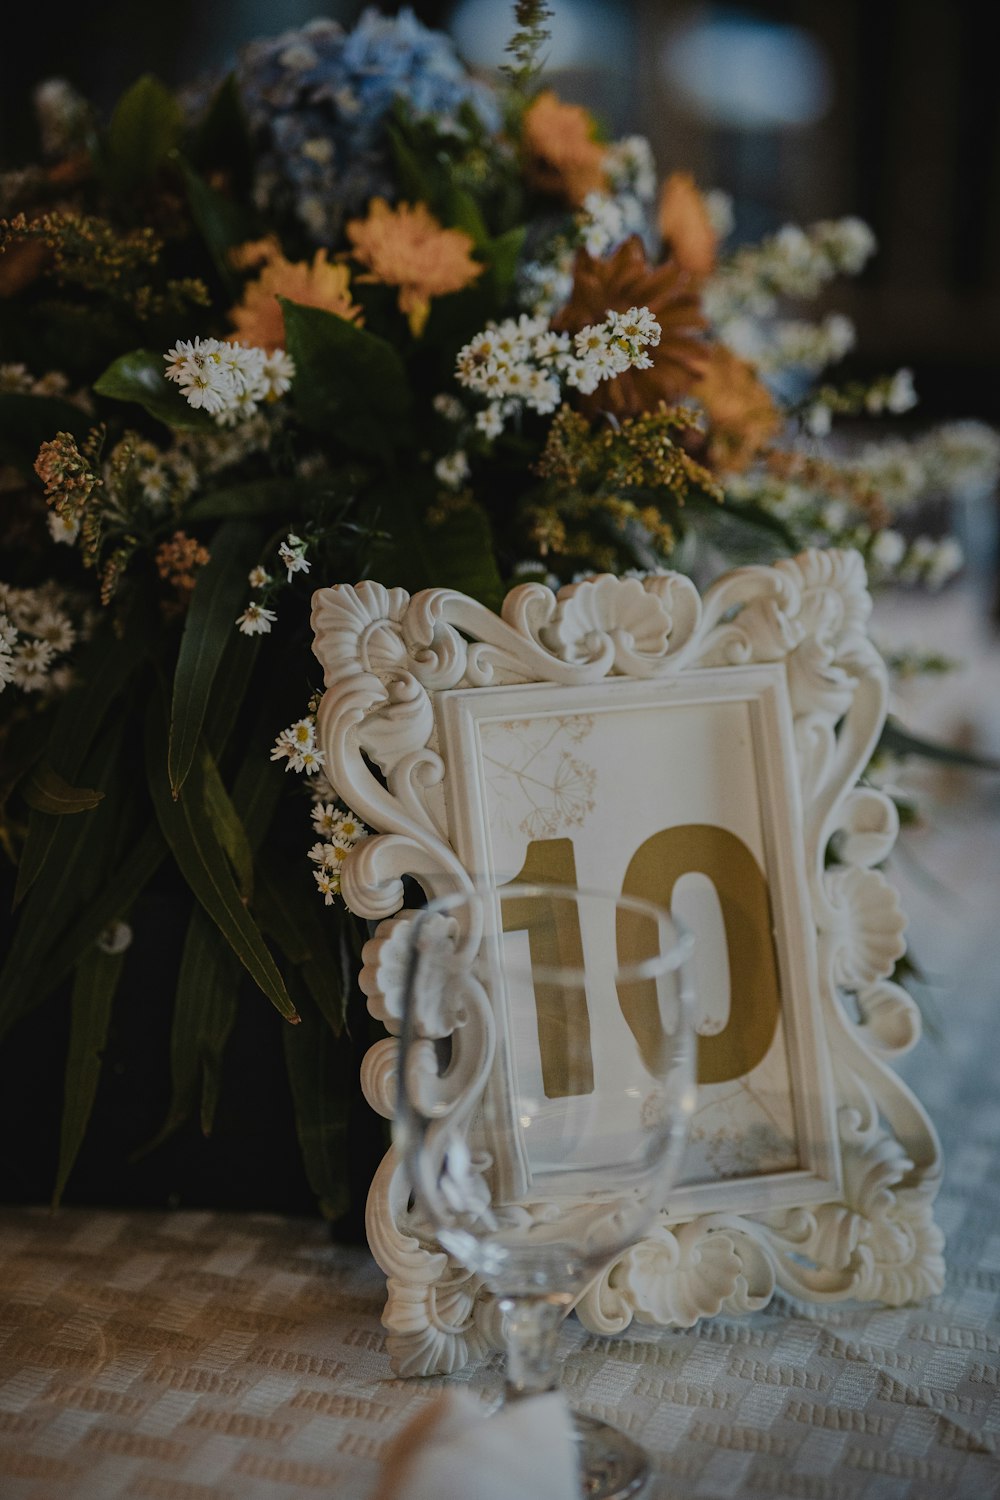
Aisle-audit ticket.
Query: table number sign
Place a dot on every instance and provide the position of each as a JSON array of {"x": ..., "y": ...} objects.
[{"x": 704, "y": 753}]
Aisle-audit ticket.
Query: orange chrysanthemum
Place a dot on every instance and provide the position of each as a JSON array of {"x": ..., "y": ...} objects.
[
  {"x": 742, "y": 416},
  {"x": 561, "y": 155},
  {"x": 686, "y": 225},
  {"x": 257, "y": 318},
  {"x": 406, "y": 247},
  {"x": 626, "y": 279}
]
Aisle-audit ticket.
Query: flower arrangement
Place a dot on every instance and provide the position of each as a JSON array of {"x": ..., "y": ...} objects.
[{"x": 354, "y": 312}]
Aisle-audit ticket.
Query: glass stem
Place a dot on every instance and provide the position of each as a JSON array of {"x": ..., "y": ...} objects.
[{"x": 531, "y": 1325}]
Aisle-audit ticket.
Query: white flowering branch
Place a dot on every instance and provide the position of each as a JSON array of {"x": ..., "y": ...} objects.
[
  {"x": 523, "y": 362},
  {"x": 228, "y": 381}
]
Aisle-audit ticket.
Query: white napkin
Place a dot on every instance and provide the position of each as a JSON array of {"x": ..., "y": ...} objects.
[{"x": 453, "y": 1451}]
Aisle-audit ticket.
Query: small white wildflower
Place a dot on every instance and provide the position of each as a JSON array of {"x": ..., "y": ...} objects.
[
  {"x": 818, "y": 419},
  {"x": 945, "y": 563},
  {"x": 329, "y": 884},
  {"x": 293, "y": 554},
  {"x": 62, "y": 528},
  {"x": 31, "y": 661},
  {"x": 901, "y": 395},
  {"x": 258, "y": 577},
  {"x": 53, "y": 626},
  {"x": 489, "y": 421},
  {"x": 448, "y": 406},
  {"x": 277, "y": 374},
  {"x": 888, "y": 548},
  {"x": 453, "y": 469},
  {"x": 115, "y": 938},
  {"x": 256, "y": 620}
]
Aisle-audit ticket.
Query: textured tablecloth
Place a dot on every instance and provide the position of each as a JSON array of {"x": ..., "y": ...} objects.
[{"x": 199, "y": 1356}]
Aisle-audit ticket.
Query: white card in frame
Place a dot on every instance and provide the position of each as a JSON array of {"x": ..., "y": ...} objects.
[{"x": 706, "y": 753}]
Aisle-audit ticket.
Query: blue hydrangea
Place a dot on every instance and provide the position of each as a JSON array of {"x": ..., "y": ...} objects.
[{"x": 317, "y": 101}]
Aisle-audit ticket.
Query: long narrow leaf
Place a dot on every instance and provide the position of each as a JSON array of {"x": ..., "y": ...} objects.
[
  {"x": 319, "y": 1071},
  {"x": 902, "y": 741},
  {"x": 232, "y": 680},
  {"x": 48, "y": 792},
  {"x": 208, "y": 628},
  {"x": 79, "y": 864},
  {"x": 204, "y": 865},
  {"x": 105, "y": 670},
  {"x": 112, "y": 900},
  {"x": 294, "y": 916},
  {"x": 94, "y": 989},
  {"x": 204, "y": 1013},
  {"x": 227, "y": 827}
]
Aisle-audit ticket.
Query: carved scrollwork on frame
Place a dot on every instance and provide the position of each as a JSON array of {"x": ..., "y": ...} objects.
[{"x": 390, "y": 661}]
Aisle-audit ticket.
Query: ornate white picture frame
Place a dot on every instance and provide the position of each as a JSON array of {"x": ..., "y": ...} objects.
[{"x": 725, "y": 736}]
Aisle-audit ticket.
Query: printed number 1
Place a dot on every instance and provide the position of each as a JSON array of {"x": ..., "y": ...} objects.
[{"x": 657, "y": 865}]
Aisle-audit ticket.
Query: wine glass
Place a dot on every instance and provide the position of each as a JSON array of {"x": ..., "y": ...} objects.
[{"x": 546, "y": 1080}]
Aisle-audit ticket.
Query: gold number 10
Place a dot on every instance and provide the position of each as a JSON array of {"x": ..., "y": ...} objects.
[{"x": 653, "y": 871}]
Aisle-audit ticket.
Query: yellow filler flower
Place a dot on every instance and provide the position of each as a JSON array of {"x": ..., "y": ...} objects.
[
  {"x": 406, "y": 247},
  {"x": 257, "y": 318}
]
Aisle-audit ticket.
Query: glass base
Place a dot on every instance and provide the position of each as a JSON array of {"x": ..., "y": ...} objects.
[{"x": 611, "y": 1465}]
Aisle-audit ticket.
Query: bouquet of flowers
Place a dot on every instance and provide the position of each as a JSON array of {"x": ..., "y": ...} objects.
[{"x": 352, "y": 312}]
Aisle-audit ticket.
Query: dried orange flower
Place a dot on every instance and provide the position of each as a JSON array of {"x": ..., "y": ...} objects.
[
  {"x": 258, "y": 320},
  {"x": 742, "y": 416},
  {"x": 686, "y": 225},
  {"x": 623, "y": 280},
  {"x": 406, "y": 247},
  {"x": 177, "y": 560},
  {"x": 561, "y": 155}
]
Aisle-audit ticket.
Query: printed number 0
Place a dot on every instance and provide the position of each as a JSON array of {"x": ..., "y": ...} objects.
[{"x": 653, "y": 871}]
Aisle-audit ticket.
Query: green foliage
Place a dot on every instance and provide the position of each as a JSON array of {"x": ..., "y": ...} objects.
[
  {"x": 320, "y": 1073},
  {"x": 97, "y": 976},
  {"x": 48, "y": 792},
  {"x": 202, "y": 860},
  {"x": 351, "y": 385},
  {"x": 209, "y": 629},
  {"x": 139, "y": 377},
  {"x": 144, "y": 129},
  {"x": 222, "y": 222},
  {"x": 26, "y": 422}
]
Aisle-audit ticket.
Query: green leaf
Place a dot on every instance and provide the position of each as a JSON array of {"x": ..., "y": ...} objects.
[
  {"x": 418, "y": 182},
  {"x": 209, "y": 627},
  {"x": 464, "y": 555},
  {"x": 900, "y": 741},
  {"x": 114, "y": 898},
  {"x": 239, "y": 658},
  {"x": 222, "y": 222},
  {"x": 320, "y": 1074},
  {"x": 349, "y": 383},
  {"x": 26, "y": 422},
  {"x": 48, "y": 792},
  {"x": 94, "y": 989},
  {"x": 104, "y": 671},
  {"x": 257, "y": 790},
  {"x": 461, "y": 211},
  {"x": 227, "y": 826},
  {"x": 223, "y": 138},
  {"x": 204, "y": 1015},
  {"x": 145, "y": 126},
  {"x": 458, "y": 553},
  {"x": 503, "y": 254},
  {"x": 139, "y": 377},
  {"x": 79, "y": 856},
  {"x": 291, "y": 911},
  {"x": 205, "y": 866},
  {"x": 244, "y": 502}
]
